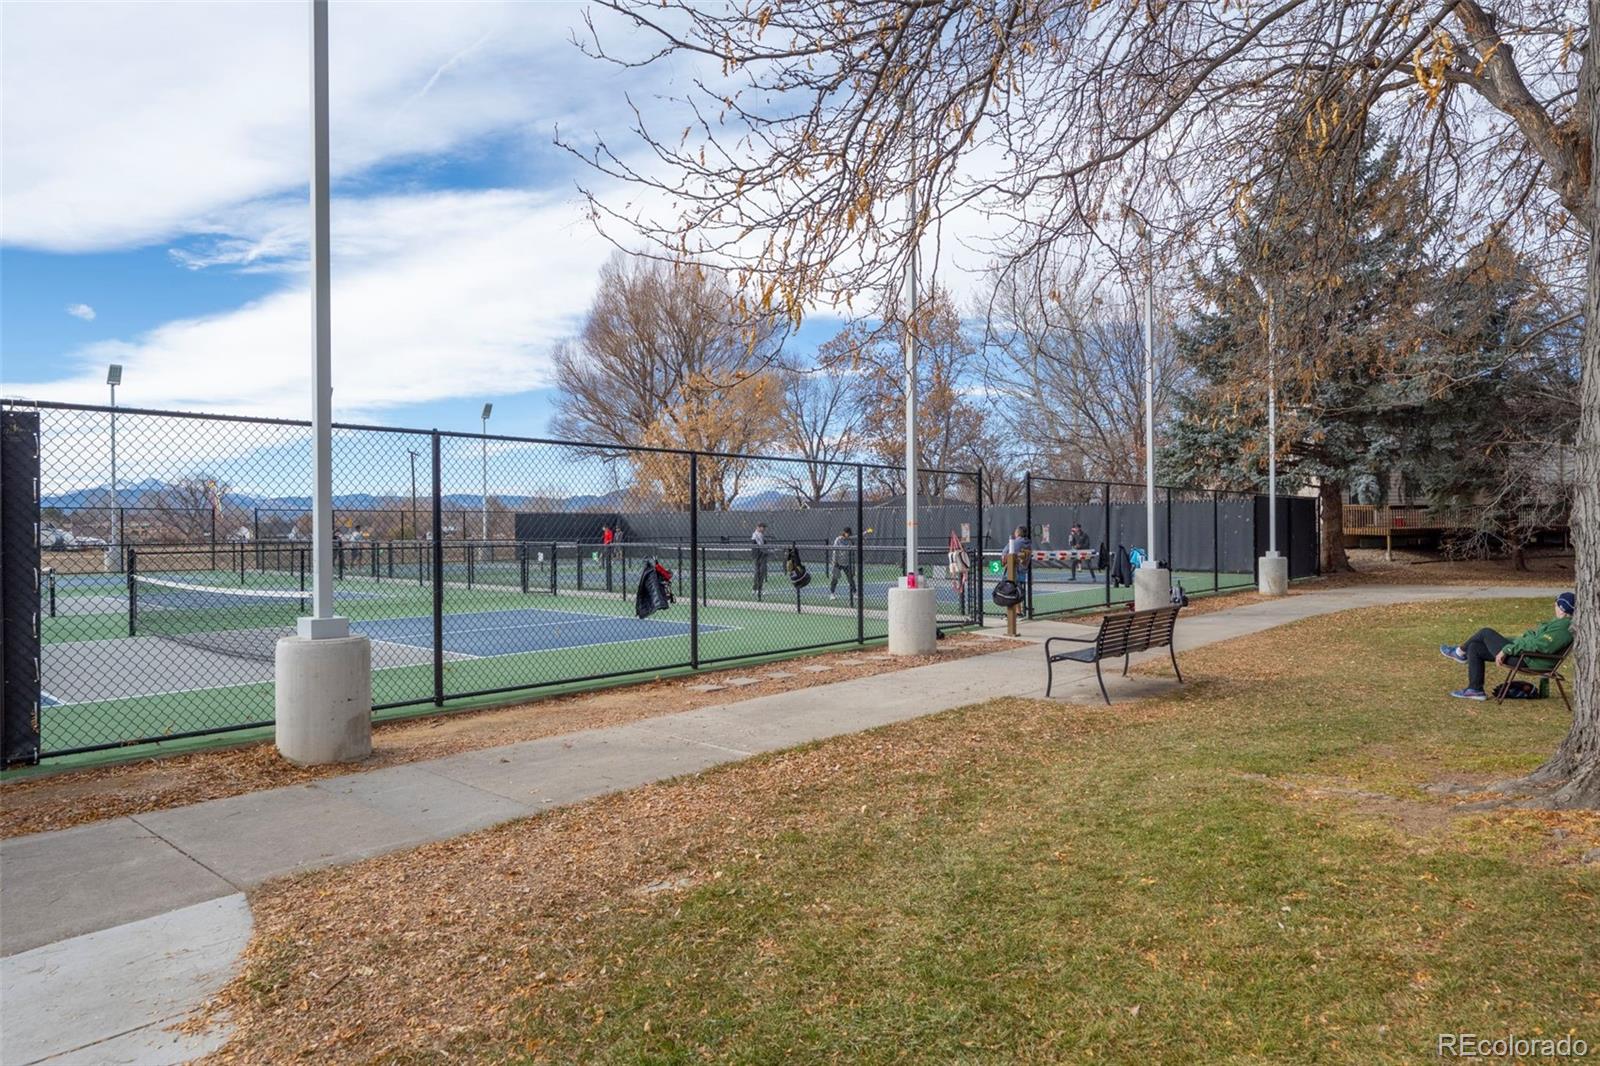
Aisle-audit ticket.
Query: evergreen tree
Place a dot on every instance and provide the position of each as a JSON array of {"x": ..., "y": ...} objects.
[
  {"x": 1331, "y": 259},
  {"x": 1498, "y": 382}
]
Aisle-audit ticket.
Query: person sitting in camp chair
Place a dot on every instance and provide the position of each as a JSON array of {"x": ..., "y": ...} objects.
[{"x": 1541, "y": 645}]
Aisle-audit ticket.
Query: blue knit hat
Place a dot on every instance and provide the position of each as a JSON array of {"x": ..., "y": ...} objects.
[{"x": 1567, "y": 602}]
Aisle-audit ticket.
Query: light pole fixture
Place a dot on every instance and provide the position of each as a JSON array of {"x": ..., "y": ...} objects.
[
  {"x": 416, "y": 533},
  {"x": 113, "y": 549},
  {"x": 483, "y": 419}
]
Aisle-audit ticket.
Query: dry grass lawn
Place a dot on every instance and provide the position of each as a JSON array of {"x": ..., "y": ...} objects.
[{"x": 1282, "y": 862}]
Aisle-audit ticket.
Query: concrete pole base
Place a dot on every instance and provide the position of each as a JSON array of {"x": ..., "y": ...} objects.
[
  {"x": 912, "y": 630},
  {"x": 324, "y": 699},
  {"x": 1273, "y": 571},
  {"x": 1152, "y": 588}
]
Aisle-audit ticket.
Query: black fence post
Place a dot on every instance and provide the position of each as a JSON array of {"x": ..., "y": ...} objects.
[
  {"x": 1027, "y": 520},
  {"x": 694, "y": 575},
  {"x": 861, "y": 563},
  {"x": 1172, "y": 556},
  {"x": 1216, "y": 540},
  {"x": 976, "y": 563},
  {"x": 1111, "y": 549},
  {"x": 438, "y": 578},
  {"x": 133, "y": 593}
]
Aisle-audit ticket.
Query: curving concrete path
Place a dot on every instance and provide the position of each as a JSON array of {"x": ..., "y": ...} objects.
[{"x": 113, "y": 930}]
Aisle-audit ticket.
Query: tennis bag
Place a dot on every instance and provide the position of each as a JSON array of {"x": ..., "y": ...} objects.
[
  {"x": 1007, "y": 593},
  {"x": 1516, "y": 690},
  {"x": 799, "y": 577}
]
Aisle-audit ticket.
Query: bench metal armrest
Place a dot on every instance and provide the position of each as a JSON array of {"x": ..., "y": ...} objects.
[{"x": 1075, "y": 640}]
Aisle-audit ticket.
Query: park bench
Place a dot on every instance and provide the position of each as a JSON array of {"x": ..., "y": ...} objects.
[
  {"x": 1120, "y": 634},
  {"x": 1520, "y": 666}
]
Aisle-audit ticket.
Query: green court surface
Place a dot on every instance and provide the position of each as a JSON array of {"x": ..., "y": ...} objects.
[
  {"x": 1052, "y": 594},
  {"x": 103, "y": 686}
]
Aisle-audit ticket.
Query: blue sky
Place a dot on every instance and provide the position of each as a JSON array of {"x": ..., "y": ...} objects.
[{"x": 152, "y": 168}]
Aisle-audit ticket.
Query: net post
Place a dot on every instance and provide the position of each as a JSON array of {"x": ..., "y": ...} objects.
[
  {"x": 438, "y": 578},
  {"x": 553, "y": 581},
  {"x": 133, "y": 594},
  {"x": 213, "y": 533},
  {"x": 705, "y": 579},
  {"x": 471, "y": 566},
  {"x": 122, "y": 532},
  {"x": 241, "y": 566},
  {"x": 50, "y": 577},
  {"x": 861, "y": 563},
  {"x": 694, "y": 539}
]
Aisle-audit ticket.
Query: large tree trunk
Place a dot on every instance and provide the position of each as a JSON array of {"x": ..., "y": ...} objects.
[
  {"x": 1330, "y": 499},
  {"x": 1576, "y": 764}
]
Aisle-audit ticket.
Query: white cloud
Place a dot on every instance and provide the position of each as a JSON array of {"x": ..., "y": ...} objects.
[
  {"x": 130, "y": 123},
  {"x": 83, "y": 311},
  {"x": 434, "y": 295}
]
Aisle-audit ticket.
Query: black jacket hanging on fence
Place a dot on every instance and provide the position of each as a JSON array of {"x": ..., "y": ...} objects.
[
  {"x": 655, "y": 590},
  {"x": 798, "y": 576},
  {"x": 1121, "y": 568}
]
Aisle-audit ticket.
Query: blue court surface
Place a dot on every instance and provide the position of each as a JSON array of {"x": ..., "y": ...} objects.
[{"x": 489, "y": 633}]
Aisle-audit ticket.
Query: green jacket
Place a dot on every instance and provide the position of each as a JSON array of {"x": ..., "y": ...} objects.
[{"x": 1543, "y": 642}]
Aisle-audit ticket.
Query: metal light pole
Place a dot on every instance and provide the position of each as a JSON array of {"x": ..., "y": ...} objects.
[
  {"x": 323, "y": 623},
  {"x": 1149, "y": 392},
  {"x": 1272, "y": 426},
  {"x": 113, "y": 548},
  {"x": 484, "y": 500},
  {"x": 322, "y": 678},
  {"x": 908, "y": 341},
  {"x": 416, "y": 533}
]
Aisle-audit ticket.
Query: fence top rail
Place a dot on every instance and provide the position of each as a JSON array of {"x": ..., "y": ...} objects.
[
  {"x": 594, "y": 446},
  {"x": 1031, "y": 476}
]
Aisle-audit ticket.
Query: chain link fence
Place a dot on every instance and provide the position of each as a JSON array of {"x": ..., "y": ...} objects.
[
  {"x": 1088, "y": 537},
  {"x": 174, "y": 551}
]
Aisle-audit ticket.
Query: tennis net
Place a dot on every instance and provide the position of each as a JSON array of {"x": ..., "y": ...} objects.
[{"x": 244, "y": 623}]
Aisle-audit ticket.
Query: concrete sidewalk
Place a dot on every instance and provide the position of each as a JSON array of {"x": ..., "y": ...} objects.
[{"x": 92, "y": 891}]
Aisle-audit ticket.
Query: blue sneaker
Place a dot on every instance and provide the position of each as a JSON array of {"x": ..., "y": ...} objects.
[
  {"x": 1470, "y": 694},
  {"x": 1453, "y": 651}
]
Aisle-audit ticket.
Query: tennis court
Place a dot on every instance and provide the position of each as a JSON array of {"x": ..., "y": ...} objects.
[
  {"x": 1058, "y": 587},
  {"x": 172, "y": 649}
]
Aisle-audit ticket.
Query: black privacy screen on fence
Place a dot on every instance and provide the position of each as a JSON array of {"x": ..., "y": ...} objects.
[
  {"x": 174, "y": 551},
  {"x": 1078, "y": 528}
]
